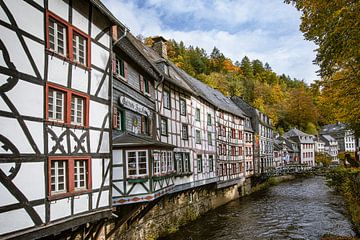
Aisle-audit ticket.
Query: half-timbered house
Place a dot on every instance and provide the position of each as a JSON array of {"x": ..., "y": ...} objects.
[
  {"x": 55, "y": 116},
  {"x": 143, "y": 166},
  {"x": 184, "y": 121}
]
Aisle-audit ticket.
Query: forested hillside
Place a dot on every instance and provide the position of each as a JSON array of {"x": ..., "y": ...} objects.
[{"x": 289, "y": 102}]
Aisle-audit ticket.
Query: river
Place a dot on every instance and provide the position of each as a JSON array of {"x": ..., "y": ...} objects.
[{"x": 300, "y": 209}]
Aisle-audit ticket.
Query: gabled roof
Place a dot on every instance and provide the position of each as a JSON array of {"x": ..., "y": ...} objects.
[
  {"x": 129, "y": 139},
  {"x": 291, "y": 146}
]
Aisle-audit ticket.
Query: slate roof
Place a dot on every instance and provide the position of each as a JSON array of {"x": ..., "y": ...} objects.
[
  {"x": 155, "y": 58},
  {"x": 297, "y": 135},
  {"x": 291, "y": 146},
  {"x": 327, "y": 139},
  {"x": 294, "y": 132},
  {"x": 333, "y": 128},
  {"x": 129, "y": 139}
]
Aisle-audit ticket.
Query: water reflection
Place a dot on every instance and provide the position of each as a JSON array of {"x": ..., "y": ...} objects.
[{"x": 301, "y": 209}]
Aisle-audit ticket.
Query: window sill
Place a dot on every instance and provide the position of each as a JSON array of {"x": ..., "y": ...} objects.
[
  {"x": 61, "y": 124},
  {"x": 65, "y": 58},
  {"x": 119, "y": 77},
  {"x": 59, "y": 196},
  {"x": 138, "y": 179}
]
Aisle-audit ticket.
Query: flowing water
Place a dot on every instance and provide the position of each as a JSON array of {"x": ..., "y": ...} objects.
[{"x": 299, "y": 209}]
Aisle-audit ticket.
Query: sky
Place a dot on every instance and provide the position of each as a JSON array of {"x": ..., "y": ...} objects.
[{"x": 267, "y": 30}]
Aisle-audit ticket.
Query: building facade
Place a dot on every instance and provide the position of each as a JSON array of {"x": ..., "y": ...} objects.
[
  {"x": 55, "y": 116},
  {"x": 344, "y": 136},
  {"x": 263, "y": 136},
  {"x": 306, "y": 145}
]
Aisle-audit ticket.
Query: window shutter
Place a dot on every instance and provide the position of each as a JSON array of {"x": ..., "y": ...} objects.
[
  {"x": 114, "y": 65},
  {"x": 126, "y": 70},
  {"x": 115, "y": 118},
  {"x": 141, "y": 83}
]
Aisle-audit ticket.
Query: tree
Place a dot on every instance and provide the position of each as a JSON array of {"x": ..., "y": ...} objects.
[
  {"x": 335, "y": 27},
  {"x": 323, "y": 159}
]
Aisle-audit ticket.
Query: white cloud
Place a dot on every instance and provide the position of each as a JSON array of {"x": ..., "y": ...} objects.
[{"x": 269, "y": 30}]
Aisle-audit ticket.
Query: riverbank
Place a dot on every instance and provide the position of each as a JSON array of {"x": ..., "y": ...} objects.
[{"x": 346, "y": 181}]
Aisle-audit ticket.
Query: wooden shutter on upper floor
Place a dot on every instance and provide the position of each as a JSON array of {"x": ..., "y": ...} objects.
[
  {"x": 126, "y": 70},
  {"x": 115, "y": 118},
  {"x": 141, "y": 83}
]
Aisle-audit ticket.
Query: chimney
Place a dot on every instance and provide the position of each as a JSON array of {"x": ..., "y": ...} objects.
[{"x": 159, "y": 46}]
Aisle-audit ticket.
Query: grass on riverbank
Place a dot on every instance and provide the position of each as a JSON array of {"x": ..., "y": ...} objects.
[
  {"x": 347, "y": 182},
  {"x": 272, "y": 181}
]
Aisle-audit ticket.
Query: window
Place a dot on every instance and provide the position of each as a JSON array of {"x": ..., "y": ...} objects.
[
  {"x": 233, "y": 150},
  {"x": 166, "y": 99},
  {"x": 77, "y": 110},
  {"x": 80, "y": 168},
  {"x": 79, "y": 49},
  {"x": 58, "y": 176},
  {"x": 211, "y": 163},
  {"x": 144, "y": 85},
  {"x": 57, "y": 37},
  {"x": 182, "y": 107},
  {"x": 145, "y": 125},
  {"x": 197, "y": 114},
  {"x": 157, "y": 161},
  {"x": 182, "y": 162},
  {"x": 233, "y": 133},
  {"x": 209, "y": 119},
  {"x": 67, "y": 41},
  {"x": 119, "y": 119},
  {"x": 164, "y": 127},
  {"x": 137, "y": 162},
  {"x": 58, "y": 109},
  {"x": 209, "y": 135},
  {"x": 119, "y": 68},
  {"x": 240, "y": 134},
  {"x": 56, "y": 105},
  {"x": 199, "y": 163},
  {"x": 197, "y": 137},
  {"x": 185, "y": 133},
  {"x": 69, "y": 175}
]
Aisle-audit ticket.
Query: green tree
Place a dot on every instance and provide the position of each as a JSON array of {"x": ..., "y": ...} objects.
[{"x": 323, "y": 159}]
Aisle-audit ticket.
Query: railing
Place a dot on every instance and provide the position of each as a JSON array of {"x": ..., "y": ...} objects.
[{"x": 290, "y": 169}]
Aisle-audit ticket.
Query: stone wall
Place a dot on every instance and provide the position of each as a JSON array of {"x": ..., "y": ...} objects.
[{"x": 173, "y": 211}]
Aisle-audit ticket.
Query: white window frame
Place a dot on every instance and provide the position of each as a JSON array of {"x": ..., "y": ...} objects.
[
  {"x": 76, "y": 111},
  {"x": 137, "y": 163},
  {"x": 55, "y": 106},
  {"x": 197, "y": 137},
  {"x": 182, "y": 103},
  {"x": 77, "y": 173},
  {"x": 56, "y": 176},
  {"x": 166, "y": 99},
  {"x": 56, "y": 47},
  {"x": 77, "y": 49}
]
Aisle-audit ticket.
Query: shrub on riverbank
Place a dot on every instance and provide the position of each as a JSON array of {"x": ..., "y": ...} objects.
[{"x": 347, "y": 182}]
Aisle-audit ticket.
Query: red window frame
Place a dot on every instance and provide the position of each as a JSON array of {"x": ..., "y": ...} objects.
[
  {"x": 70, "y": 29},
  {"x": 240, "y": 135},
  {"x": 67, "y": 107},
  {"x": 240, "y": 151},
  {"x": 70, "y": 176}
]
